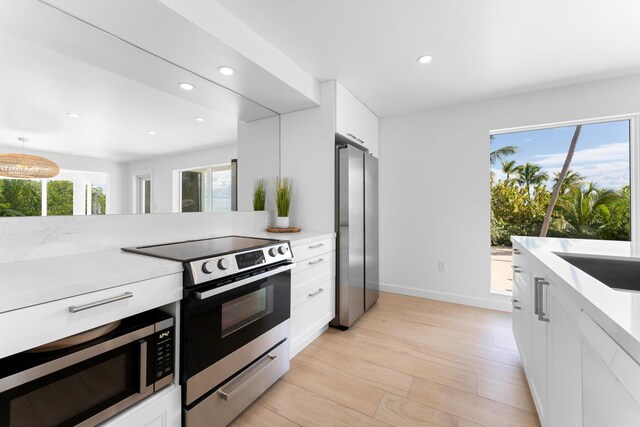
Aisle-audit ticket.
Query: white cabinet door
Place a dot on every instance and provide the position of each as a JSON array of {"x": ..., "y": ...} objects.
[
  {"x": 564, "y": 352},
  {"x": 521, "y": 319},
  {"x": 355, "y": 121},
  {"x": 537, "y": 363},
  {"x": 162, "y": 409}
]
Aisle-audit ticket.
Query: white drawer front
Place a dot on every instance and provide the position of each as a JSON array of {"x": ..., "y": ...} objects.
[
  {"x": 310, "y": 250},
  {"x": 311, "y": 312},
  {"x": 41, "y": 324},
  {"x": 312, "y": 270}
]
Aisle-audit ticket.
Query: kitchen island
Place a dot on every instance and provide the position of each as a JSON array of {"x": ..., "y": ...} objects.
[{"x": 578, "y": 338}]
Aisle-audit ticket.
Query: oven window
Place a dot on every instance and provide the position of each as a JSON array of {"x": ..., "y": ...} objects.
[
  {"x": 72, "y": 397},
  {"x": 244, "y": 310}
]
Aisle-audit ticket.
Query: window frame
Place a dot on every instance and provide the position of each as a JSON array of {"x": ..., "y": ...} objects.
[{"x": 634, "y": 153}]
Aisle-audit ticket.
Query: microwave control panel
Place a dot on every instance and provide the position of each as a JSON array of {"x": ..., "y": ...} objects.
[{"x": 163, "y": 354}]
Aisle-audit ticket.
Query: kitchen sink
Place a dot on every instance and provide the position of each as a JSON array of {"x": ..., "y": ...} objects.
[{"x": 617, "y": 273}]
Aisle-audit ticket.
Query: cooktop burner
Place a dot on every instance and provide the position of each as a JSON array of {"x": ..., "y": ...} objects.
[
  {"x": 192, "y": 250},
  {"x": 226, "y": 258}
]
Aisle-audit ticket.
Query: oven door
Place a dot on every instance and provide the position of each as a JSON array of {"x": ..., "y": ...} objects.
[
  {"x": 82, "y": 388},
  {"x": 226, "y": 328}
]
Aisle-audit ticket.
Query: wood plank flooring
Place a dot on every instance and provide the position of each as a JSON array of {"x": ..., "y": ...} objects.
[{"x": 407, "y": 362}]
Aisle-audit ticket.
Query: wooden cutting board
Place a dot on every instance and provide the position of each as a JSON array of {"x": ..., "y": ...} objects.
[{"x": 283, "y": 230}]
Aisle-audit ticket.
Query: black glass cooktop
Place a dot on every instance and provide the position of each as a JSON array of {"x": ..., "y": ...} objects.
[{"x": 192, "y": 250}]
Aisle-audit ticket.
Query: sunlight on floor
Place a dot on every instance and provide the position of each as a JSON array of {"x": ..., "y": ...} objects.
[{"x": 501, "y": 274}]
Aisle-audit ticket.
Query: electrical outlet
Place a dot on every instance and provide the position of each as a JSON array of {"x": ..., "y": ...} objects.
[{"x": 442, "y": 266}]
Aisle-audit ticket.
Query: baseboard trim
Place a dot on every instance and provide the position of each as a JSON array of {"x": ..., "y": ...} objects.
[
  {"x": 299, "y": 343},
  {"x": 448, "y": 297}
]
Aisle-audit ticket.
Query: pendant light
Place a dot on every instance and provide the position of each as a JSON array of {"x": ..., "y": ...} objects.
[{"x": 26, "y": 165}]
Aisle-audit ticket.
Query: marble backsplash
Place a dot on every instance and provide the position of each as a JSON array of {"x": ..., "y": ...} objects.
[{"x": 42, "y": 237}]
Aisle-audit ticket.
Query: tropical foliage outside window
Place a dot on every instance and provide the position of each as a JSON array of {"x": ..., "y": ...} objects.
[
  {"x": 570, "y": 182},
  {"x": 26, "y": 197}
]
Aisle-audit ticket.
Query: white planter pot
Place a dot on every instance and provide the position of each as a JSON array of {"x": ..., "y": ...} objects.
[{"x": 282, "y": 222}]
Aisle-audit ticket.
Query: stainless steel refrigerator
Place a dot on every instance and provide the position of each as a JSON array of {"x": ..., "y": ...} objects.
[{"x": 357, "y": 276}]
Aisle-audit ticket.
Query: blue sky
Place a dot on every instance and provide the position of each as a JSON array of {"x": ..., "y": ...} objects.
[{"x": 602, "y": 153}]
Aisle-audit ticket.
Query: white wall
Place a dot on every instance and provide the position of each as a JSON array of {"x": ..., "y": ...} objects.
[
  {"x": 308, "y": 156},
  {"x": 258, "y": 157},
  {"x": 162, "y": 168},
  {"x": 434, "y": 184}
]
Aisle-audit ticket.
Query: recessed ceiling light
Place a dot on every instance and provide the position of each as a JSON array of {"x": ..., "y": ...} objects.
[
  {"x": 425, "y": 59},
  {"x": 73, "y": 115},
  {"x": 199, "y": 119},
  {"x": 151, "y": 132},
  {"x": 112, "y": 142},
  {"x": 186, "y": 86},
  {"x": 226, "y": 70}
]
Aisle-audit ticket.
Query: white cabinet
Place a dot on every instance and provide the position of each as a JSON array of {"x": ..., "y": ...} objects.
[
  {"x": 355, "y": 121},
  {"x": 548, "y": 339},
  {"x": 162, "y": 409},
  {"x": 44, "y": 323},
  {"x": 563, "y": 349},
  {"x": 537, "y": 364},
  {"x": 312, "y": 291},
  {"x": 610, "y": 380}
]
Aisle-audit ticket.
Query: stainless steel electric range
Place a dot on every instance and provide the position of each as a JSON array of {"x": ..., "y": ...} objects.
[{"x": 235, "y": 322}]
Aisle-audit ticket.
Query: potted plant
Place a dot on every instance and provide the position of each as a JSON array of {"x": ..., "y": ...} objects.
[
  {"x": 259, "y": 194},
  {"x": 283, "y": 201}
]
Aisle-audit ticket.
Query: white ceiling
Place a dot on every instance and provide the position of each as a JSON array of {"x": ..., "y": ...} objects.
[
  {"x": 38, "y": 87},
  {"x": 482, "y": 48}
]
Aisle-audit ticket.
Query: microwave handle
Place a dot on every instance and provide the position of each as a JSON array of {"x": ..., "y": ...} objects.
[
  {"x": 230, "y": 286},
  {"x": 142, "y": 389}
]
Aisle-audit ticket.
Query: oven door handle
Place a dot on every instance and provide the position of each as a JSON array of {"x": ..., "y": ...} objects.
[{"x": 230, "y": 286}]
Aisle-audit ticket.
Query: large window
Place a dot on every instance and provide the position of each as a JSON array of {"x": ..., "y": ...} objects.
[
  {"x": 69, "y": 193},
  {"x": 206, "y": 189},
  {"x": 569, "y": 181}
]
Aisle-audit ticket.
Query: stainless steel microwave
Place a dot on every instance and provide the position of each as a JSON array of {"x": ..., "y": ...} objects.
[{"x": 88, "y": 383}]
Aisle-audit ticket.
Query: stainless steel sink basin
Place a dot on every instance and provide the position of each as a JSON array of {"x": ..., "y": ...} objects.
[{"x": 617, "y": 273}]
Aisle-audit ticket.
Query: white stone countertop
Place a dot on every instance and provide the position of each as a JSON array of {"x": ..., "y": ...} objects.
[
  {"x": 32, "y": 282},
  {"x": 38, "y": 281},
  {"x": 616, "y": 311}
]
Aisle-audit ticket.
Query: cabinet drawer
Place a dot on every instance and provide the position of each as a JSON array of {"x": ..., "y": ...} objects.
[
  {"x": 309, "y": 311},
  {"x": 41, "y": 324},
  {"x": 302, "y": 281},
  {"x": 310, "y": 250},
  {"x": 315, "y": 264}
]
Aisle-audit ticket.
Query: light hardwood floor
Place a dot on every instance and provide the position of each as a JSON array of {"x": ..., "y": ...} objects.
[{"x": 406, "y": 362}]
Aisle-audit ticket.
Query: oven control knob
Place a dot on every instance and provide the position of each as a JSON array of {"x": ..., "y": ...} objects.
[
  {"x": 283, "y": 249},
  {"x": 223, "y": 264},
  {"x": 207, "y": 267},
  {"x": 273, "y": 252}
]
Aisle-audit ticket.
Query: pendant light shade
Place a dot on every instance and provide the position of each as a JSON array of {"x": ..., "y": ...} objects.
[{"x": 27, "y": 166}]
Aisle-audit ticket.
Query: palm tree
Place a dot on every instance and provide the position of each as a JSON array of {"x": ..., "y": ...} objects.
[
  {"x": 561, "y": 176},
  {"x": 585, "y": 210},
  {"x": 530, "y": 174},
  {"x": 502, "y": 153},
  {"x": 571, "y": 179},
  {"x": 508, "y": 168}
]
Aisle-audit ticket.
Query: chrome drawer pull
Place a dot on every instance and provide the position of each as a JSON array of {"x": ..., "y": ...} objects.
[
  {"x": 352, "y": 136},
  {"x": 318, "y": 292},
  {"x": 318, "y": 261},
  {"x": 514, "y": 303},
  {"x": 516, "y": 269},
  {"x": 319, "y": 245},
  {"x": 235, "y": 386},
  {"x": 360, "y": 141},
  {"x": 516, "y": 251},
  {"x": 77, "y": 308}
]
